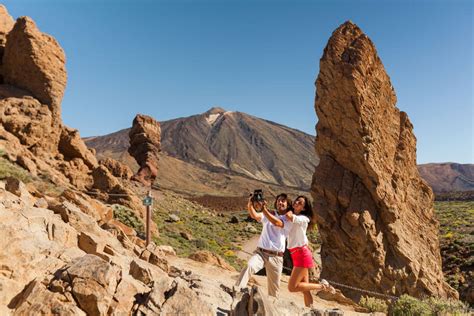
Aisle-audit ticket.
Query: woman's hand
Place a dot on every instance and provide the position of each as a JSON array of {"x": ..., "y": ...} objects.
[{"x": 289, "y": 215}]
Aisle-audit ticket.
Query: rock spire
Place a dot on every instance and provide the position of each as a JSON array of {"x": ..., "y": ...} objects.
[{"x": 374, "y": 211}]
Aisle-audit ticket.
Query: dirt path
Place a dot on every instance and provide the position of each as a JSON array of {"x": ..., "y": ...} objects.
[{"x": 248, "y": 248}]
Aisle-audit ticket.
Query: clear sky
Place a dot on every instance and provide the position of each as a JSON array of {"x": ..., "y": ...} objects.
[{"x": 171, "y": 59}]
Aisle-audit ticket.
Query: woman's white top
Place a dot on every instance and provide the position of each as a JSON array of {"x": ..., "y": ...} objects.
[
  {"x": 296, "y": 230},
  {"x": 272, "y": 237}
]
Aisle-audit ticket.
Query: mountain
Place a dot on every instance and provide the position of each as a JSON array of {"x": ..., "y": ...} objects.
[
  {"x": 448, "y": 177},
  {"x": 223, "y": 150},
  {"x": 229, "y": 153}
]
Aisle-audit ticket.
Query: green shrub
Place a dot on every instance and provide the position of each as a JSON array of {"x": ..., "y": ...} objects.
[
  {"x": 407, "y": 305},
  {"x": 410, "y": 306},
  {"x": 373, "y": 304},
  {"x": 9, "y": 169},
  {"x": 442, "y": 307},
  {"x": 128, "y": 217}
]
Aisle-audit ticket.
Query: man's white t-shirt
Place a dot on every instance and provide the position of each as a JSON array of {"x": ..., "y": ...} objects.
[
  {"x": 296, "y": 230},
  {"x": 272, "y": 237}
]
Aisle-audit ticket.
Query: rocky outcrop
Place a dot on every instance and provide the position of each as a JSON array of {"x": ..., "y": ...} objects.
[
  {"x": 34, "y": 61},
  {"x": 33, "y": 69},
  {"x": 211, "y": 258},
  {"x": 144, "y": 147},
  {"x": 72, "y": 146},
  {"x": 117, "y": 168},
  {"x": 6, "y": 24},
  {"x": 374, "y": 212}
]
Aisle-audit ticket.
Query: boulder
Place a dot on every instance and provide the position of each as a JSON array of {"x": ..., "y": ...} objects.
[
  {"x": 104, "y": 180},
  {"x": 72, "y": 146},
  {"x": 44, "y": 302},
  {"x": 93, "y": 283},
  {"x": 145, "y": 137},
  {"x": 373, "y": 210},
  {"x": 30, "y": 121},
  {"x": 211, "y": 258},
  {"x": 180, "y": 293},
  {"x": 117, "y": 168}
]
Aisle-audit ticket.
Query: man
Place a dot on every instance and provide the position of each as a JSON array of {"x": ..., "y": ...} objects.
[{"x": 270, "y": 247}]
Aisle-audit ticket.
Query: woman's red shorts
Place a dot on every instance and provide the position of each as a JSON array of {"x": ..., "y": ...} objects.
[{"x": 302, "y": 257}]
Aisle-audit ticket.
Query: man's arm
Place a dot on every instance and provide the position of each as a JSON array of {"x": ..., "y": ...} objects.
[
  {"x": 272, "y": 218},
  {"x": 253, "y": 213}
]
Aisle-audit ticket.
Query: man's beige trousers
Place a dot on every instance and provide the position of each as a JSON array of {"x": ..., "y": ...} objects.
[{"x": 273, "y": 266}]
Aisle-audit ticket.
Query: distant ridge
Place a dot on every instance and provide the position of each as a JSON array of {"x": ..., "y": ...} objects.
[{"x": 448, "y": 177}]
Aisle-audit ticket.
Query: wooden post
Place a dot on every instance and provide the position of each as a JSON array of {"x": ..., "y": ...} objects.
[{"x": 148, "y": 219}]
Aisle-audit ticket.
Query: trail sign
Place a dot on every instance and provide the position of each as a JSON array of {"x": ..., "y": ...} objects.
[{"x": 147, "y": 201}]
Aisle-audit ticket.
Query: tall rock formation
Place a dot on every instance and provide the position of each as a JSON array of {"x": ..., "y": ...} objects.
[
  {"x": 374, "y": 211},
  {"x": 35, "y": 62},
  {"x": 6, "y": 24},
  {"x": 144, "y": 147},
  {"x": 31, "y": 89}
]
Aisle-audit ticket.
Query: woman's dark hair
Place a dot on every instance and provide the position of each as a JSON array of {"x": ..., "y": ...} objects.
[
  {"x": 283, "y": 196},
  {"x": 307, "y": 211}
]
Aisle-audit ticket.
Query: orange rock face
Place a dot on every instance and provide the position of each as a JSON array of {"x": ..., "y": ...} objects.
[
  {"x": 145, "y": 137},
  {"x": 374, "y": 212}
]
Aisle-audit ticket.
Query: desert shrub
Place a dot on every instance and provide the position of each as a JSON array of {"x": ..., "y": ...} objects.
[
  {"x": 442, "y": 307},
  {"x": 373, "y": 304},
  {"x": 9, "y": 169},
  {"x": 407, "y": 305},
  {"x": 128, "y": 217},
  {"x": 410, "y": 306}
]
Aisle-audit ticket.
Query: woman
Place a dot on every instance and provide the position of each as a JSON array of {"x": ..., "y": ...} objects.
[{"x": 296, "y": 224}]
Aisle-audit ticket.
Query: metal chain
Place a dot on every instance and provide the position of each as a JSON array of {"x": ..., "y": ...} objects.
[
  {"x": 363, "y": 291},
  {"x": 391, "y": 297}
]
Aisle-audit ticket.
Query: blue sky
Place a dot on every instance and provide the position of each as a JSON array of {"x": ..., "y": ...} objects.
[{"x": 171, "y": 59}]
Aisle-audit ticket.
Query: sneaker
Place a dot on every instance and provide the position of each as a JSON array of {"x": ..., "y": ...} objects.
[{"x": 327, "y": 286}]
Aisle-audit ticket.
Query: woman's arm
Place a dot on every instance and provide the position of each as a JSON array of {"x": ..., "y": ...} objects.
[
  {"x": 290, "y": 216},
  {"x": 254, "y": 214},
  {"x": 272, "y": 218}
]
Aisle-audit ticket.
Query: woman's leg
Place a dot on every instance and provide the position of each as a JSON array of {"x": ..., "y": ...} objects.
[
  {"x": 298, "y": 284},
  {"x": 308, "y": 298}
]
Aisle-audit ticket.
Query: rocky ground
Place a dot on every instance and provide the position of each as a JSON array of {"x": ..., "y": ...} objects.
[{"x": 56, "y": 258}]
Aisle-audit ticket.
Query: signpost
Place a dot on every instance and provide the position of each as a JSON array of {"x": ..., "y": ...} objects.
[{"x": 148, "y": 201}]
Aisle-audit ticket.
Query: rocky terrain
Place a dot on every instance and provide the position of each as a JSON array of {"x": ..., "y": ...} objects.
[
  {"x": 72, "y": 226},
  {"x": 374, "y": 211}
]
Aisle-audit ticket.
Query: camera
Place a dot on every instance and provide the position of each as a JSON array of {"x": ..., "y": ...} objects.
[{"x": 257, "y": 196}]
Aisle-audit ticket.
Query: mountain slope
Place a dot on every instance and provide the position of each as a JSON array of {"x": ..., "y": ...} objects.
[
  {"x": 233, "y": 143},
  {"x": 448, "y": 177},
  {"x": 219, "y": 152}
]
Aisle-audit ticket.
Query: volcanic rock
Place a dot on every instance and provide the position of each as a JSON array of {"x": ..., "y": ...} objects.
[
  {"x": 144, "y": 147},
  {"x": 6, "y": 24},
  {"x": 211, "y": 258},
  {"x": 34, "y": 61},
  {"x": 72, "y": 146},
  {"x": 117, "y": 168},
  {"x": 374, "y": 212}
]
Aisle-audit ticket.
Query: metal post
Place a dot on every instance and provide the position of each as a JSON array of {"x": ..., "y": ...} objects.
[{"x": 148, "y": 218}]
